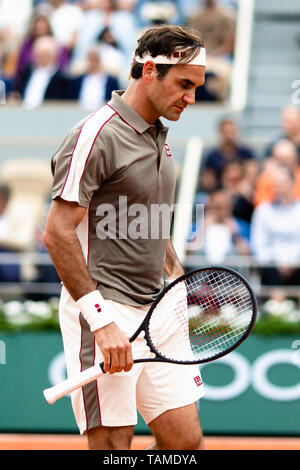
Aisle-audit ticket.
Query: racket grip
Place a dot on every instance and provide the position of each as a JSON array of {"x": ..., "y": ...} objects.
[{"x": 67, "y": 386}]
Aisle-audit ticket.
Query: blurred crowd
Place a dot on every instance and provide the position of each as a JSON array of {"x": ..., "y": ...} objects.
[
  {"x": 81, "y": 50},
  {"x": 252, "y": 202}
]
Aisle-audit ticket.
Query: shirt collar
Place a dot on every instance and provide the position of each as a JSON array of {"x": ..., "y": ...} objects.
[{"x": 130, "y": 116}]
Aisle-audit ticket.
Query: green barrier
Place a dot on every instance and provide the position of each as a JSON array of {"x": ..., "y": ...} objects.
[{"x": 254, "y": 390}]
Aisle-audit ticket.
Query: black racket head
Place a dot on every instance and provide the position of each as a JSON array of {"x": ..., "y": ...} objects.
[{"x": 201, "y": 316}]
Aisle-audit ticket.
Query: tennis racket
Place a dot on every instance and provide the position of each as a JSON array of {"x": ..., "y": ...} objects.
[{"x": 200, "y": 317}]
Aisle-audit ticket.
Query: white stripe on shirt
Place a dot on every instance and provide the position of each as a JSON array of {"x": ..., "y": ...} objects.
[{"x": 82, "y": 150}]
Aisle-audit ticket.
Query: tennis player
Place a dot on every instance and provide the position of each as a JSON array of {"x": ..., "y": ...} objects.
[{"x": 109, "y": 172}]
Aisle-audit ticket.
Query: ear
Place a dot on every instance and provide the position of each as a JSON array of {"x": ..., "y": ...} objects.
[{"x": 149, "y": 71}]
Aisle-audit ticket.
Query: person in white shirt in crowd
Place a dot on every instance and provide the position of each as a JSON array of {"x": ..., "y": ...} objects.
[
  {"x": 218, "y": 234},
  {"x": 93, "y": 88},
  {"x": 98, "y": 15},
  {"x": 43, "y": 81},
  {"x": 275, "y": 233},
  {"x": 65, "y": 19},
  {"x": 14, "y": 16}
]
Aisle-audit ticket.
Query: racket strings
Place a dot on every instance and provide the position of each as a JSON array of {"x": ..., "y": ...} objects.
[
  {"x": 210, "y": 312},
  {"x": 227, "y": 313}
]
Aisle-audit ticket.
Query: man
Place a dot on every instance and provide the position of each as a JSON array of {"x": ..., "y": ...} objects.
[
  {"x": 65, "y": 19},
  {"x": 43, "y": 81},
  {"x": 290, "y": 129},
  {"x": 284, "y": 154},
  {"x": 230, "y": 148},
  {"x": 120, "y": 153},
  {"x": 94, "y": 87},
  {"x": 217, "y": 24},
  {"x": 275, "y": 232}
]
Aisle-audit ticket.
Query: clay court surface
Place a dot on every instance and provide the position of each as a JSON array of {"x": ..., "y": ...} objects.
[{"x": 73, "y": 442}]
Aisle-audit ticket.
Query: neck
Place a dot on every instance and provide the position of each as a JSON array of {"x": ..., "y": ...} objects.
[{"x": 136, "y": 98}]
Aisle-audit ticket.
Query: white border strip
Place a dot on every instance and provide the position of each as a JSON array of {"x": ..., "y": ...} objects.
[
  {"x": 186, "y": 195},
  {"x": 242, "y": 51}
]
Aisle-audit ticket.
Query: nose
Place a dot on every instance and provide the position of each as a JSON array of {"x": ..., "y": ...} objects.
[{"x": 189, "y": 97}]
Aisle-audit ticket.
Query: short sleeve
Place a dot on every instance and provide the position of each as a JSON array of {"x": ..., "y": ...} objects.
[{"x": 81, "y": 163}]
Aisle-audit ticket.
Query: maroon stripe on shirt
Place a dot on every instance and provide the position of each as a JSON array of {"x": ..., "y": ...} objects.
[{"x": 130, "y": 125}]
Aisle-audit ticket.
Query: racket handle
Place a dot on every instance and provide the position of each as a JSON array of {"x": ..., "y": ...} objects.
[{"x": 67, "y": 386}]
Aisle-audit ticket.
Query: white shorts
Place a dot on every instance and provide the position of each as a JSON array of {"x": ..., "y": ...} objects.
[{"x": 113, "y": 400}]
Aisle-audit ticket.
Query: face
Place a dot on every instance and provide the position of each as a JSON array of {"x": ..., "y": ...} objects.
[
  {"x": 233, "y": 174},
  {"x": 290, "y": 122},
  {"x": 41, "y": 27},
  {"x": 94, "y": 63},
  {"x": 220, "y": 206},
  {"x": 283, "y": 185},
  {"x": 44, "y": 52},
  {"x": 168, "y": 97},
  {"x": 229, "y": 131}
]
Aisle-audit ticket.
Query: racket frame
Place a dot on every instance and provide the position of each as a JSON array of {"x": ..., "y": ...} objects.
[{"x": 144, "y": 326}]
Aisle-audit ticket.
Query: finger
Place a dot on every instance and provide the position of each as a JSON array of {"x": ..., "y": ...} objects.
[
  {"x": 114, "y": 362},
  {"x": 129, "y": 359},
  {"x": 106, "y": 360},
  {"x": 122, "y": 360}
]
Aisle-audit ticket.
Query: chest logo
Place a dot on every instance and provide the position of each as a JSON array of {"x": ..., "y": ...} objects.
[{"x": 168, "y": 151}]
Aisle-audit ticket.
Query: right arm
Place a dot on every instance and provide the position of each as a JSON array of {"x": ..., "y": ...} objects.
[{"x": 65, "y": 250}]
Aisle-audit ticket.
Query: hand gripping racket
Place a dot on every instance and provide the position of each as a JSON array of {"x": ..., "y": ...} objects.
[{"x": 201, "y": 316}]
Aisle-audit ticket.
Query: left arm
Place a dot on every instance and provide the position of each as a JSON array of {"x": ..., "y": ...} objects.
[{"x": 172, "y": 266}]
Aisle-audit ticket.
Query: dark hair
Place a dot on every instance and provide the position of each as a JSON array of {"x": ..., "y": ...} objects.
[{"x": 164, "y": 40}]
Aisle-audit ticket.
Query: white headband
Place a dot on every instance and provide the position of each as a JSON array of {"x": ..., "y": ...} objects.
[{"x": 200, "y": 58}]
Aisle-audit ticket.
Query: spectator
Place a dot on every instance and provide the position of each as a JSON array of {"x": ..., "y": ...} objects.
[
  {"x": 103, "y": 14},
  {"x": 239, "y": 186},
  {"x": 14, "y": 16},
  {"x": 275, "y": 233},
  {"x": 230, "y": 148},
  {"x": 222, "y": 234},
  {"x": 43, "y": 81},
  {"x": 284, "y": 154},
  {"x": 8, "y": 272},
  {"x": 112, "y": 57},
  {"x": 40, "y": 26},
  {"x": 13, "y": 21},
  {"x": 290, "y": 129},
  {"x": 217, "y": 25},
  {"x": 157, "y": 12},
  {"x": 65, "y": 20},
  {"x": 5, "y": 83},
  {"x": 95, "y": 87}
]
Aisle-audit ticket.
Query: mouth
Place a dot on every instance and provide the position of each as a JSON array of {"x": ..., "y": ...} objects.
[{"x": 180, "y": 108}]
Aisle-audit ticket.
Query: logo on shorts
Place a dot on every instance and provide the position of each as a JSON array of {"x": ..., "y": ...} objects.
[
  {"x": 198, "y": 381},
  {"x": 98, "y": 308},
  {"x": 168, "y": 151}
]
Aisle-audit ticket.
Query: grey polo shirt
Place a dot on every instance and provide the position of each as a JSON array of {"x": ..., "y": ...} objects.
[{"x": 120, "y": 168}]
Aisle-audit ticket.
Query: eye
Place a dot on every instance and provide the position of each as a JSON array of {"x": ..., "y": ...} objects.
[{"x": 184, "y": 86}]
